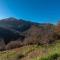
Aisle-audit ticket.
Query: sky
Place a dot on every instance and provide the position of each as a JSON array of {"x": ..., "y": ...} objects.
[{"x": 33, "y": 10}]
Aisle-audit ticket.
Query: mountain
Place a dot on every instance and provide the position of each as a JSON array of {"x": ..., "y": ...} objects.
[
  {"x": 18, "y": 32},
  {"x": 15, "y": 24}
]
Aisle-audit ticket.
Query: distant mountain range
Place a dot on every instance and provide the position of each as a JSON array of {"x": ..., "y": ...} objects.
[{"x": 27, "y": 32}]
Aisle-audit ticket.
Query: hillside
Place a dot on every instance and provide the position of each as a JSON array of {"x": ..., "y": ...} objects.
[
  {"x": 14, "y": 30},
  {"x": 33, "y": 52},
  {"x": 26, "y": 40}
]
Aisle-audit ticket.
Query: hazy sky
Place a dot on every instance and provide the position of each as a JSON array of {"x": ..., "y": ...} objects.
[{"x": 35, "y": 10}]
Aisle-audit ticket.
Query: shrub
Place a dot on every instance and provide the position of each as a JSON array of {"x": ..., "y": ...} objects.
[
  {"x": 13, "y": 44},
  {"x": 39, "y": 36},
  {"x": 52, "y": 57}
]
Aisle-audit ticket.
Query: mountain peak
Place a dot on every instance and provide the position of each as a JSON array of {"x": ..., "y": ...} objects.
[{"x": 11, "y": 18}]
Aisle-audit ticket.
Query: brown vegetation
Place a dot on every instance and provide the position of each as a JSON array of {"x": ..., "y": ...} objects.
[{"x": 13, "y": 44}]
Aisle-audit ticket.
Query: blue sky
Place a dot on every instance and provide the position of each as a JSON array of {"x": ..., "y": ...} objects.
[{"x": 34, "y": 10}]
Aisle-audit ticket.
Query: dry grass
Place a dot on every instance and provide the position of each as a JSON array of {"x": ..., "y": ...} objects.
[
  {"x": 14, "y": 54},
  {"x": 32, "y": 52}
]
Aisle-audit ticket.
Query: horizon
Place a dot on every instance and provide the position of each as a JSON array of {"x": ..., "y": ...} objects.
[{"x": 40, "y": 11}]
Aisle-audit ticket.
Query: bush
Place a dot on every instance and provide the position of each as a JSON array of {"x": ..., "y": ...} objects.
[
  {"x": 39, "y": 36},
  {"x": 13, "y": 44},
  {"x": 53, "y": 57}
]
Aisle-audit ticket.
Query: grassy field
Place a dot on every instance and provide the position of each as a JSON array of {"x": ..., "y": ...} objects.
[{"x": 33, "y": 52}]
